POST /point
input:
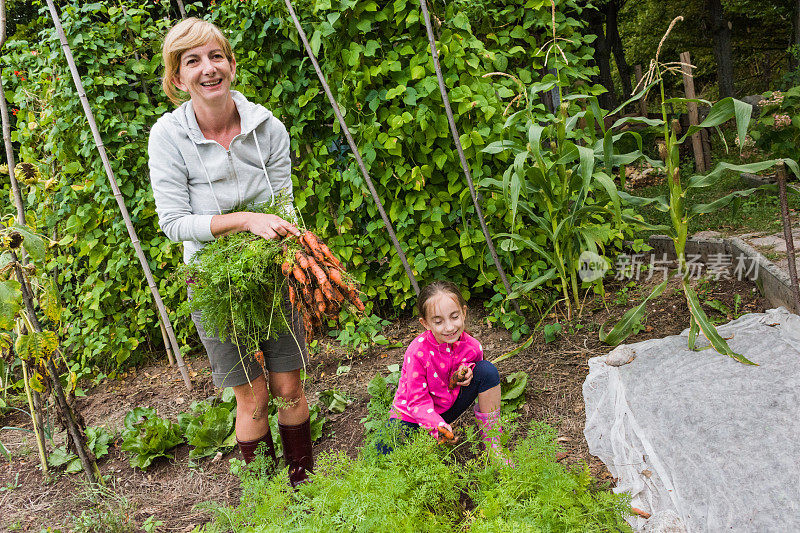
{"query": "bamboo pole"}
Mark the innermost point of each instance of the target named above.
(353, 147)
(117, 194)
(181, 9)
(461, 156)
(7, 127)
(688, 87)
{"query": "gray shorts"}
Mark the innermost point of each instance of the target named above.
(231, 367)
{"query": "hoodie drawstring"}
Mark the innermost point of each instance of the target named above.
(264, 168)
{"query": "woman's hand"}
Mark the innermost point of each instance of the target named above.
(270, 226)
(261, 224)
(466, 371)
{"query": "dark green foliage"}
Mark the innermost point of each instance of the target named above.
(377, 60)
(425, 487)
(237, 282)
(147, 436)
(208, 427)
(97, 438)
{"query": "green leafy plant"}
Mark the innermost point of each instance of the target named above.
(680, 192)
(361, 333)
(381, 391)
(560, 205)
(97, 438)
(512, 391)
(109, 512)
(552, 331)
(147, 436)
(237, 282)
(334, 400)
(776, 131)
(422, 486)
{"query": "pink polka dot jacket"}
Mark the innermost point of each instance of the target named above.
(422, 392)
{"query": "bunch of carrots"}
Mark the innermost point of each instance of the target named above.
(318, 285)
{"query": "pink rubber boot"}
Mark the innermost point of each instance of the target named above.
(489, 424)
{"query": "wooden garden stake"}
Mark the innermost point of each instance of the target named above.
(353, 147)
(464, 165)
(787, 234)
(117, 194)
(688, 86)
(637, 73)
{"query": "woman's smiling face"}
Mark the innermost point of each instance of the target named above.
(444, 317)
(205, 73)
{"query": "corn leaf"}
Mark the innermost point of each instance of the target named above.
(624, 327)
(708, 329)
(659, 202)
(701, 209)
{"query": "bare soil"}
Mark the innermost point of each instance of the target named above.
(170, 489)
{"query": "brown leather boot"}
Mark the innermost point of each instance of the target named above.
(248, 448)
(297, 451)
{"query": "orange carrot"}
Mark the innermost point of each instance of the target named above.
(335, 275)
(319, 301)
(317, 271)
(643, 514)
(328, 254)
(302, 259)
(286, 268)
(445, 435)
(292, 295)
(297, 272)
(312, 245)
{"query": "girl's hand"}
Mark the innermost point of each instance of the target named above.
(444, 433)
(465, 371)
(270, 226)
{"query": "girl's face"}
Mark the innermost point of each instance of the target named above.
(205, 73)
(445, 318)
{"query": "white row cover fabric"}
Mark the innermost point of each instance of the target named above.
(697, 435)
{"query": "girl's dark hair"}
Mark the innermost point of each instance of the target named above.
(429, 291)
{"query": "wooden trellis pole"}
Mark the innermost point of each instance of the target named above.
(353, 148)
(117, 194)
(701, 165)
(464, 165)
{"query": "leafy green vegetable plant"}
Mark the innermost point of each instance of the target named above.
(512, 391)
(425, 487)
(147, 436)
(97, 438)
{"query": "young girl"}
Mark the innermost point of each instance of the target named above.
(444, 371)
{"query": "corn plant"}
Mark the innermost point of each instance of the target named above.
(560, 185)
(680, 192)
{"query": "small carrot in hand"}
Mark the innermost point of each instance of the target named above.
(457, 377)
(445, 435)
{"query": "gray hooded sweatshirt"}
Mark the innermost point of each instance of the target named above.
(194, 178)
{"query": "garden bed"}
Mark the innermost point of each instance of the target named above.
(169, 489)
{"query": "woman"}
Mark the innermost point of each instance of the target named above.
(214, 152)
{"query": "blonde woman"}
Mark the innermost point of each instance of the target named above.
(216, 151)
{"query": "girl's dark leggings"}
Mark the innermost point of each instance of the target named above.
(484, 377)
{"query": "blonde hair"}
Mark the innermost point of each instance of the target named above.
(185, 35)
